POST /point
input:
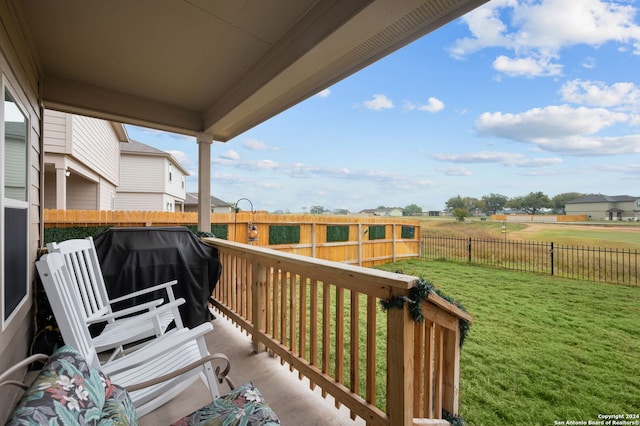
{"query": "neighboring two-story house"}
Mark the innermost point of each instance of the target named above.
(150, 179)
(605, 207)
(81, 161)
(91, 164)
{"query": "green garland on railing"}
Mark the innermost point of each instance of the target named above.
(417, 295)
(454, 420)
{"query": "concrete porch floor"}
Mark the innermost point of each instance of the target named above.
(291, 399)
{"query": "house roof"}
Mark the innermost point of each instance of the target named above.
(138, 148)
(192, 199)
(600, 198)
(214, 67)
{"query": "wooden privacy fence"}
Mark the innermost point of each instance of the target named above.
(540, 218)
(358, 240)
(324, 320)
(609, 265)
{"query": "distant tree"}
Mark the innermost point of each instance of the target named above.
(531, 203)
(454, 203)
(494, 202)
(341, 211)
(316, 210)
(412, 210)
(381, 207)
(468, 203)
(559, 201)
(460, 214)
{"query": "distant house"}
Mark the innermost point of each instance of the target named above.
(150, 179)
(385, 211)
(217, 205)
(606, 207)
(81, 161)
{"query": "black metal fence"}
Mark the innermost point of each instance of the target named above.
(609, 265)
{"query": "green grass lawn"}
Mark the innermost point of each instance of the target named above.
(541, 349)
(595, 237)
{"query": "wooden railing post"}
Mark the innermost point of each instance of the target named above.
(400, 374)
(451, 370)
(259, 303)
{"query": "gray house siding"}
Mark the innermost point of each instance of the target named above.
(20, 77)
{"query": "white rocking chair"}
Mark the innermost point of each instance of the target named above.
(169, 363)
(125, 326)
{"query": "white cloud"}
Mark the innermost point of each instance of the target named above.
(593, 146)
(526, 67)
(509, 159)
(625, 95)
(323, 93)
(551, 122)
(562, 129)
(230, 155)
(308, 171)
(256, 145)
(629, 169)
(537, 31)
(433, 105)
(378, 103)
(455, 171)
(588, 63)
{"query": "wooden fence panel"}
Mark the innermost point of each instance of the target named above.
(357, 249)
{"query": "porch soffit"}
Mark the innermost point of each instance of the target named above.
(213, 66)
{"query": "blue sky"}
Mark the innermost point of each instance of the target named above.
(514, 97)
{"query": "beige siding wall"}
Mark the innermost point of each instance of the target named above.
(81, 194)
(140, 201)
(107, 195)
(20, 74)
(57, 132)
(175, 187)
(142, 174)
(96, 145)
(597, 211)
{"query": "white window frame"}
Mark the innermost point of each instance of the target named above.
(12, 203)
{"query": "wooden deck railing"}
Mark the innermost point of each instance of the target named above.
(324, 319)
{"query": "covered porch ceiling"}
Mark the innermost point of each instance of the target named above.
(214, 67)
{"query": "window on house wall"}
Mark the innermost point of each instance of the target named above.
(170, 172)
(14, 211)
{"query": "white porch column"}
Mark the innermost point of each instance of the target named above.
(61, 188)
(204, 182)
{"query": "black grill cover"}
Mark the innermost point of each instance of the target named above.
(136, 258)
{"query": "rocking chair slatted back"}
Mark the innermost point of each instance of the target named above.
(63, 299)
(150, 319)
(178, 359)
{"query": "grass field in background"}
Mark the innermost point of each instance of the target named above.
(541, 349)
(615, 235)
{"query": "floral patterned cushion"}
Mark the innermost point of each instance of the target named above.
(69, 392)
(243, 406)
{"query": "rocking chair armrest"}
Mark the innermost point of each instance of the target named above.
(220, 375)
(128, 296)
(157, 347)
(152, 309)
(18, 366)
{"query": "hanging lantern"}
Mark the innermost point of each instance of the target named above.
(252, 232)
